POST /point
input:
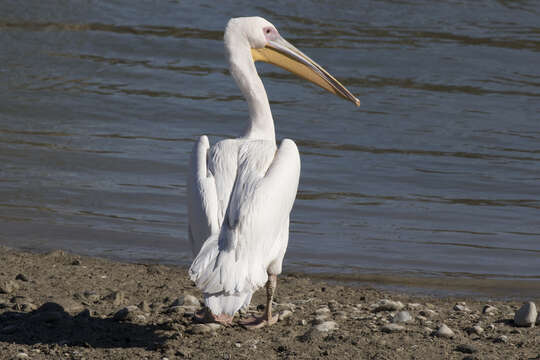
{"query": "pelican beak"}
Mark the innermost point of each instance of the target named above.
(281, 53)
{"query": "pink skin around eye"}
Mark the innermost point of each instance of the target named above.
(270, 33)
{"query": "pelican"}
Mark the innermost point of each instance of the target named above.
(241, 191)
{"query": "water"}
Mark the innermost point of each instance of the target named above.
(436, 175)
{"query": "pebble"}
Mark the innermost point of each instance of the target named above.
(340, 315)
(91, 296)
(7, 287)
(526, 315)
(413, 305)
(476, 329)
(186, 300)
(284, 314)
(21, 277)
(126, 313)
(501, 339)
(466, 348)
(320, 319)
(491, 327)
(204, 328)
(428, 313)
(326, 326)
(321, 311)
(428, 330)
(22, 355)
(302, 322)
(444, 331)
(388, 305)
(389, 328)
(144, 306)
(402, 317)
(488, 309)
(117, 297)
(461, 307)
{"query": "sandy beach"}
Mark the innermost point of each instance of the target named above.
(64, 306)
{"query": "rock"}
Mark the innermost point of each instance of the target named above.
(526, 315)
(127, 313)
(389, 328)
(488, 310)
(501, 339)
(402, 317)
(204, 328)
(76, 262)
(21, 277)
(388, 305)
(22, 355)
(92, 296)
(322, 311)
(326, 326)
(491, 327)
(427, 330)
(444, 331)
(466, 348)
(117, 297)
(320, 319)
(28, 307)
(476, 329)
(284, 314)
(186, 300)
(9, 286)
(428, 313)
(413, 305)
(302, 322)
(340, 315)
(144, 306)
(461, 307)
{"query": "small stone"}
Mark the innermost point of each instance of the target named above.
(466, 348)
(526, 315)
(21, 277)
(186, 300)
(22, 355)
(144, 306)
(214, 326)
(320, 319)
(321, 311)
(76, 262)
(7, 287)
(402, 317)
(302, 322)
(413, 305)
(92, 296)
(389, 328)
(28, 307)
(476, 329)
(501, 339)
(127, 313)
(491, 327)
(461, 307)
(284, 314)
(326, 326)
(203, 328)
(238, 345)
(388, 305)
(427, 330)
(340, 315)
(428, 313)
(444, 331)
(117, 297)
(488, 310)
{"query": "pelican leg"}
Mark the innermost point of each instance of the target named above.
(267, 318)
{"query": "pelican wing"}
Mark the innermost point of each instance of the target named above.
(202, 197)
(252, 234)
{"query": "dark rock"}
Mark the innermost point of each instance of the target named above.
(21, 277)
(466, 348)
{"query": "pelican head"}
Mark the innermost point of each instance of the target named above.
(266, 44)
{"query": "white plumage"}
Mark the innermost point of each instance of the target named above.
(241, 191)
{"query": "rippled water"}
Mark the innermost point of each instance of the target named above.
(436, 174)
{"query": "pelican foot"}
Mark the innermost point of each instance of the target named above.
(205, 316)
(253, 322)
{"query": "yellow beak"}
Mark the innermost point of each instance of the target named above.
(281, 53)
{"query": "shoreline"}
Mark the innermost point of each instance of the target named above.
(63, 305)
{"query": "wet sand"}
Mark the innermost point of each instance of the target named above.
(60, 305)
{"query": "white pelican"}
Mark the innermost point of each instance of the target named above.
(241, 191)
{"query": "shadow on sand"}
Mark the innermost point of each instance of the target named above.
(51, 324)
